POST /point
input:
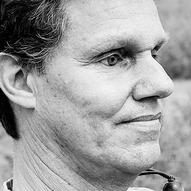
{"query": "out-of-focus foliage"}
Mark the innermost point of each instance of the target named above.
(176, 55)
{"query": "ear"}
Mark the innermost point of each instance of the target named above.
(15, 82)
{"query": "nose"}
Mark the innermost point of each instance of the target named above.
(153, 81)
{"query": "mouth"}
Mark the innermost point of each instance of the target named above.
(145, 118)
(146, 127)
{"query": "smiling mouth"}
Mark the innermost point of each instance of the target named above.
(144, 118)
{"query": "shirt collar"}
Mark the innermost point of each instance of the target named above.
(8, 185)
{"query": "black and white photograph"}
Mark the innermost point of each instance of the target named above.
(95, 95)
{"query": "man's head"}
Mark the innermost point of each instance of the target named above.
(99, 97)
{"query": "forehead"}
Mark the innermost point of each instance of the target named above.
(94, 8)
(105, 21)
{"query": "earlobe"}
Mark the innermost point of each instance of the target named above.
(13, 82)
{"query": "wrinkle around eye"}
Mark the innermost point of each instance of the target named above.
(123, 59)
(114, 57)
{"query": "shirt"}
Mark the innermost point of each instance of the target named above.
(7, 186)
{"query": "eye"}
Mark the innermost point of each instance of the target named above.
(112, 60)
(155, 54)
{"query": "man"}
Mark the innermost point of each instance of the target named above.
(82, 81)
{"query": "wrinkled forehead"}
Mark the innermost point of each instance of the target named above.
(84, 14)
(98, 21)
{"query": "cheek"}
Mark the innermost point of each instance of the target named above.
(79, 97)
(101, 99)
(95, 93)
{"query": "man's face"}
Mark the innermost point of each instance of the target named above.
(100, 96)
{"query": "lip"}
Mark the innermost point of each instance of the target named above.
(143, 118)
(146, 127)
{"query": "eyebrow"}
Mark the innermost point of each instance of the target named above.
(114, 42)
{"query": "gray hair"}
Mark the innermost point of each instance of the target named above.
(29, 30)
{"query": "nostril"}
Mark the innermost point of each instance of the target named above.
(150, 99)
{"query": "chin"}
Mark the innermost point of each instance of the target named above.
(138, 158)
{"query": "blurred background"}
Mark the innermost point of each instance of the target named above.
(176, 136)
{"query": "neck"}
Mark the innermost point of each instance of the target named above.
(34, 171)
(39, 165)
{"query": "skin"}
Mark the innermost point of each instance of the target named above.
(98, 96)
(84, 108)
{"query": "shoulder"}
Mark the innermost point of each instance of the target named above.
(139, 189)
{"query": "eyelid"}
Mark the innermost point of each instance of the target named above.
(105, 55)
(154, 50)
(159, 46)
